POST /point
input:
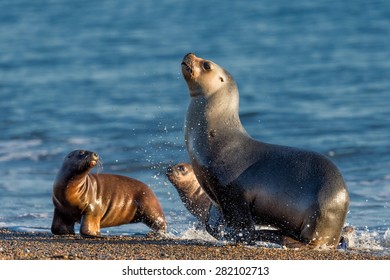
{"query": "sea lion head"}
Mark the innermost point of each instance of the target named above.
(181, 175)
(204, 77)
(80, 161)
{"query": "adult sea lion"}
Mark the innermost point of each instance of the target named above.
(199, 204)
(100, 200)
(300, 192)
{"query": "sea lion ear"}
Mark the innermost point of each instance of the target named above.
(221, 78)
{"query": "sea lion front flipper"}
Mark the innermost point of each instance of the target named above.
(61, 224)
(237, 218)
(90, 225)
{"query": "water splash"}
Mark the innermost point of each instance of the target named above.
(367, 240)
(386, 238)
(194, 232)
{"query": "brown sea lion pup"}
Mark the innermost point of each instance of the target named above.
(194, 198)
(100, 200)
(190, 192)
(300, 192)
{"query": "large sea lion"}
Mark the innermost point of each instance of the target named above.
(100, 200)
(300, 192)
(199, 204)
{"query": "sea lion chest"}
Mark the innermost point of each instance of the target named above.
(218, 147)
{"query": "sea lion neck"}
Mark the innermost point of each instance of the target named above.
(67, 177)
(71, 190)
(213, 111)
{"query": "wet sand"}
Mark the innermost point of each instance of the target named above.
(45, 246)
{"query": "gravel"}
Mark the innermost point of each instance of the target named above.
(45, 246)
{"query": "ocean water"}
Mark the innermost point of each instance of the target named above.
(105, 76)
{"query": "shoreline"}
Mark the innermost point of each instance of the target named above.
(45, 246)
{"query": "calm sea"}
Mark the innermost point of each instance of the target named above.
(105, 76)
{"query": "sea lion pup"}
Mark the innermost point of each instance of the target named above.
(190, 192)
(300, 192)
(197, 202)
(100, 200)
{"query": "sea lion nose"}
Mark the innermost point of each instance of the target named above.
(169, 170)
(189, 55)
(95, 155)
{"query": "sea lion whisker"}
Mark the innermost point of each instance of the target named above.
(99, 168)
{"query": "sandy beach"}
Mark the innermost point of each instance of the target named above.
(45, 246)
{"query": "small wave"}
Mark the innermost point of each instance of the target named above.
(78, 141)
(28, 229)
(16, 144)
(17, 149)
(341, 152)
(26, 216)
(24, 149)
(33, 216)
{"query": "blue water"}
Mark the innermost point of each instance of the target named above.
(105, 76)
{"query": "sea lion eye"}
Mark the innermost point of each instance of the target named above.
(221, 79)
(181, 168)
(207, 66)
